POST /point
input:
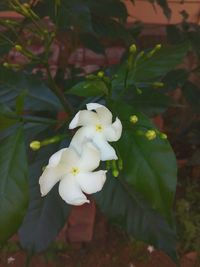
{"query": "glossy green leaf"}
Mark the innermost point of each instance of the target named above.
(149, 165)
(7, 117)
(89, 88)
(126, 208)
(13, 184)
(45, 216)
(164, 60)
(38, 95)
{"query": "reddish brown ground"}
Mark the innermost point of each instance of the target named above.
(109, 248)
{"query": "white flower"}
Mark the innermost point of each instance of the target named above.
(97, 127)
(75, 174)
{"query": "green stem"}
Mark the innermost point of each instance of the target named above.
(56, 90)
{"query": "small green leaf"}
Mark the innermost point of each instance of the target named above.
(13, 184)
(89, 88)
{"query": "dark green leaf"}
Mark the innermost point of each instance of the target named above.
(164, 60)
(89, 88)
(149, 165)
(38, 95)
(91, 42)
(45, 216)
(7, 117)
(13, 184)
(125, 207)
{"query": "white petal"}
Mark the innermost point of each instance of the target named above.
(70, 191)
(49, 178)
(82, 135)
(69, 158)
(56, 157)
(106, 150)
(84, 118)
(90, 157)
(104, 114)
(91, 182)
(114, 131)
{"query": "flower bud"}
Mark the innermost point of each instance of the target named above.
(35, 145)
(133, 119)
(163, 136)
(100, 74)
(150, 134)
(158, 84)
(18, 48)
(132, 49)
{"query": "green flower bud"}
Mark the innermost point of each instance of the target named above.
(19, 48)
(100, 74)
(132, 49)
(133, 119)
(163, 136)
(35, 145)
(150, 134)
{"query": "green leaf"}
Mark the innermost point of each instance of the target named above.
(126, 208)
(149, 165)
(67, 14)
(164, 60)
(89, 88)
(150, 101)
(13, 184)
(6, 115)
(45, 216)
(38, 95)
(90, 41)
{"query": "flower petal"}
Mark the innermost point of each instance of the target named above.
(106, 150)
(114, 131)
(90, 157)
(69, 158)
(49, 178)
(70, 191)
(56, 157)
(84, 118)
(104, 114)
(91, 182)
(82, 135)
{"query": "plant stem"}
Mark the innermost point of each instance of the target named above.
(56, 90)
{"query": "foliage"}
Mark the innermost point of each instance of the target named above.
(188, 218)
(141, 198)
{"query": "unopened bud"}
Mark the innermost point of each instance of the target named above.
(150, 134)
(133, 119)
(100, 74)
(6, 65)
(154, 50)
(132, 49)
(18, 48)
(35, 145)
(26, 5)
(158, 84)
(115, 171)
(163, 136)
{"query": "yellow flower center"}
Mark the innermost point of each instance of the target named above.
(74, 171)
(99, 128)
